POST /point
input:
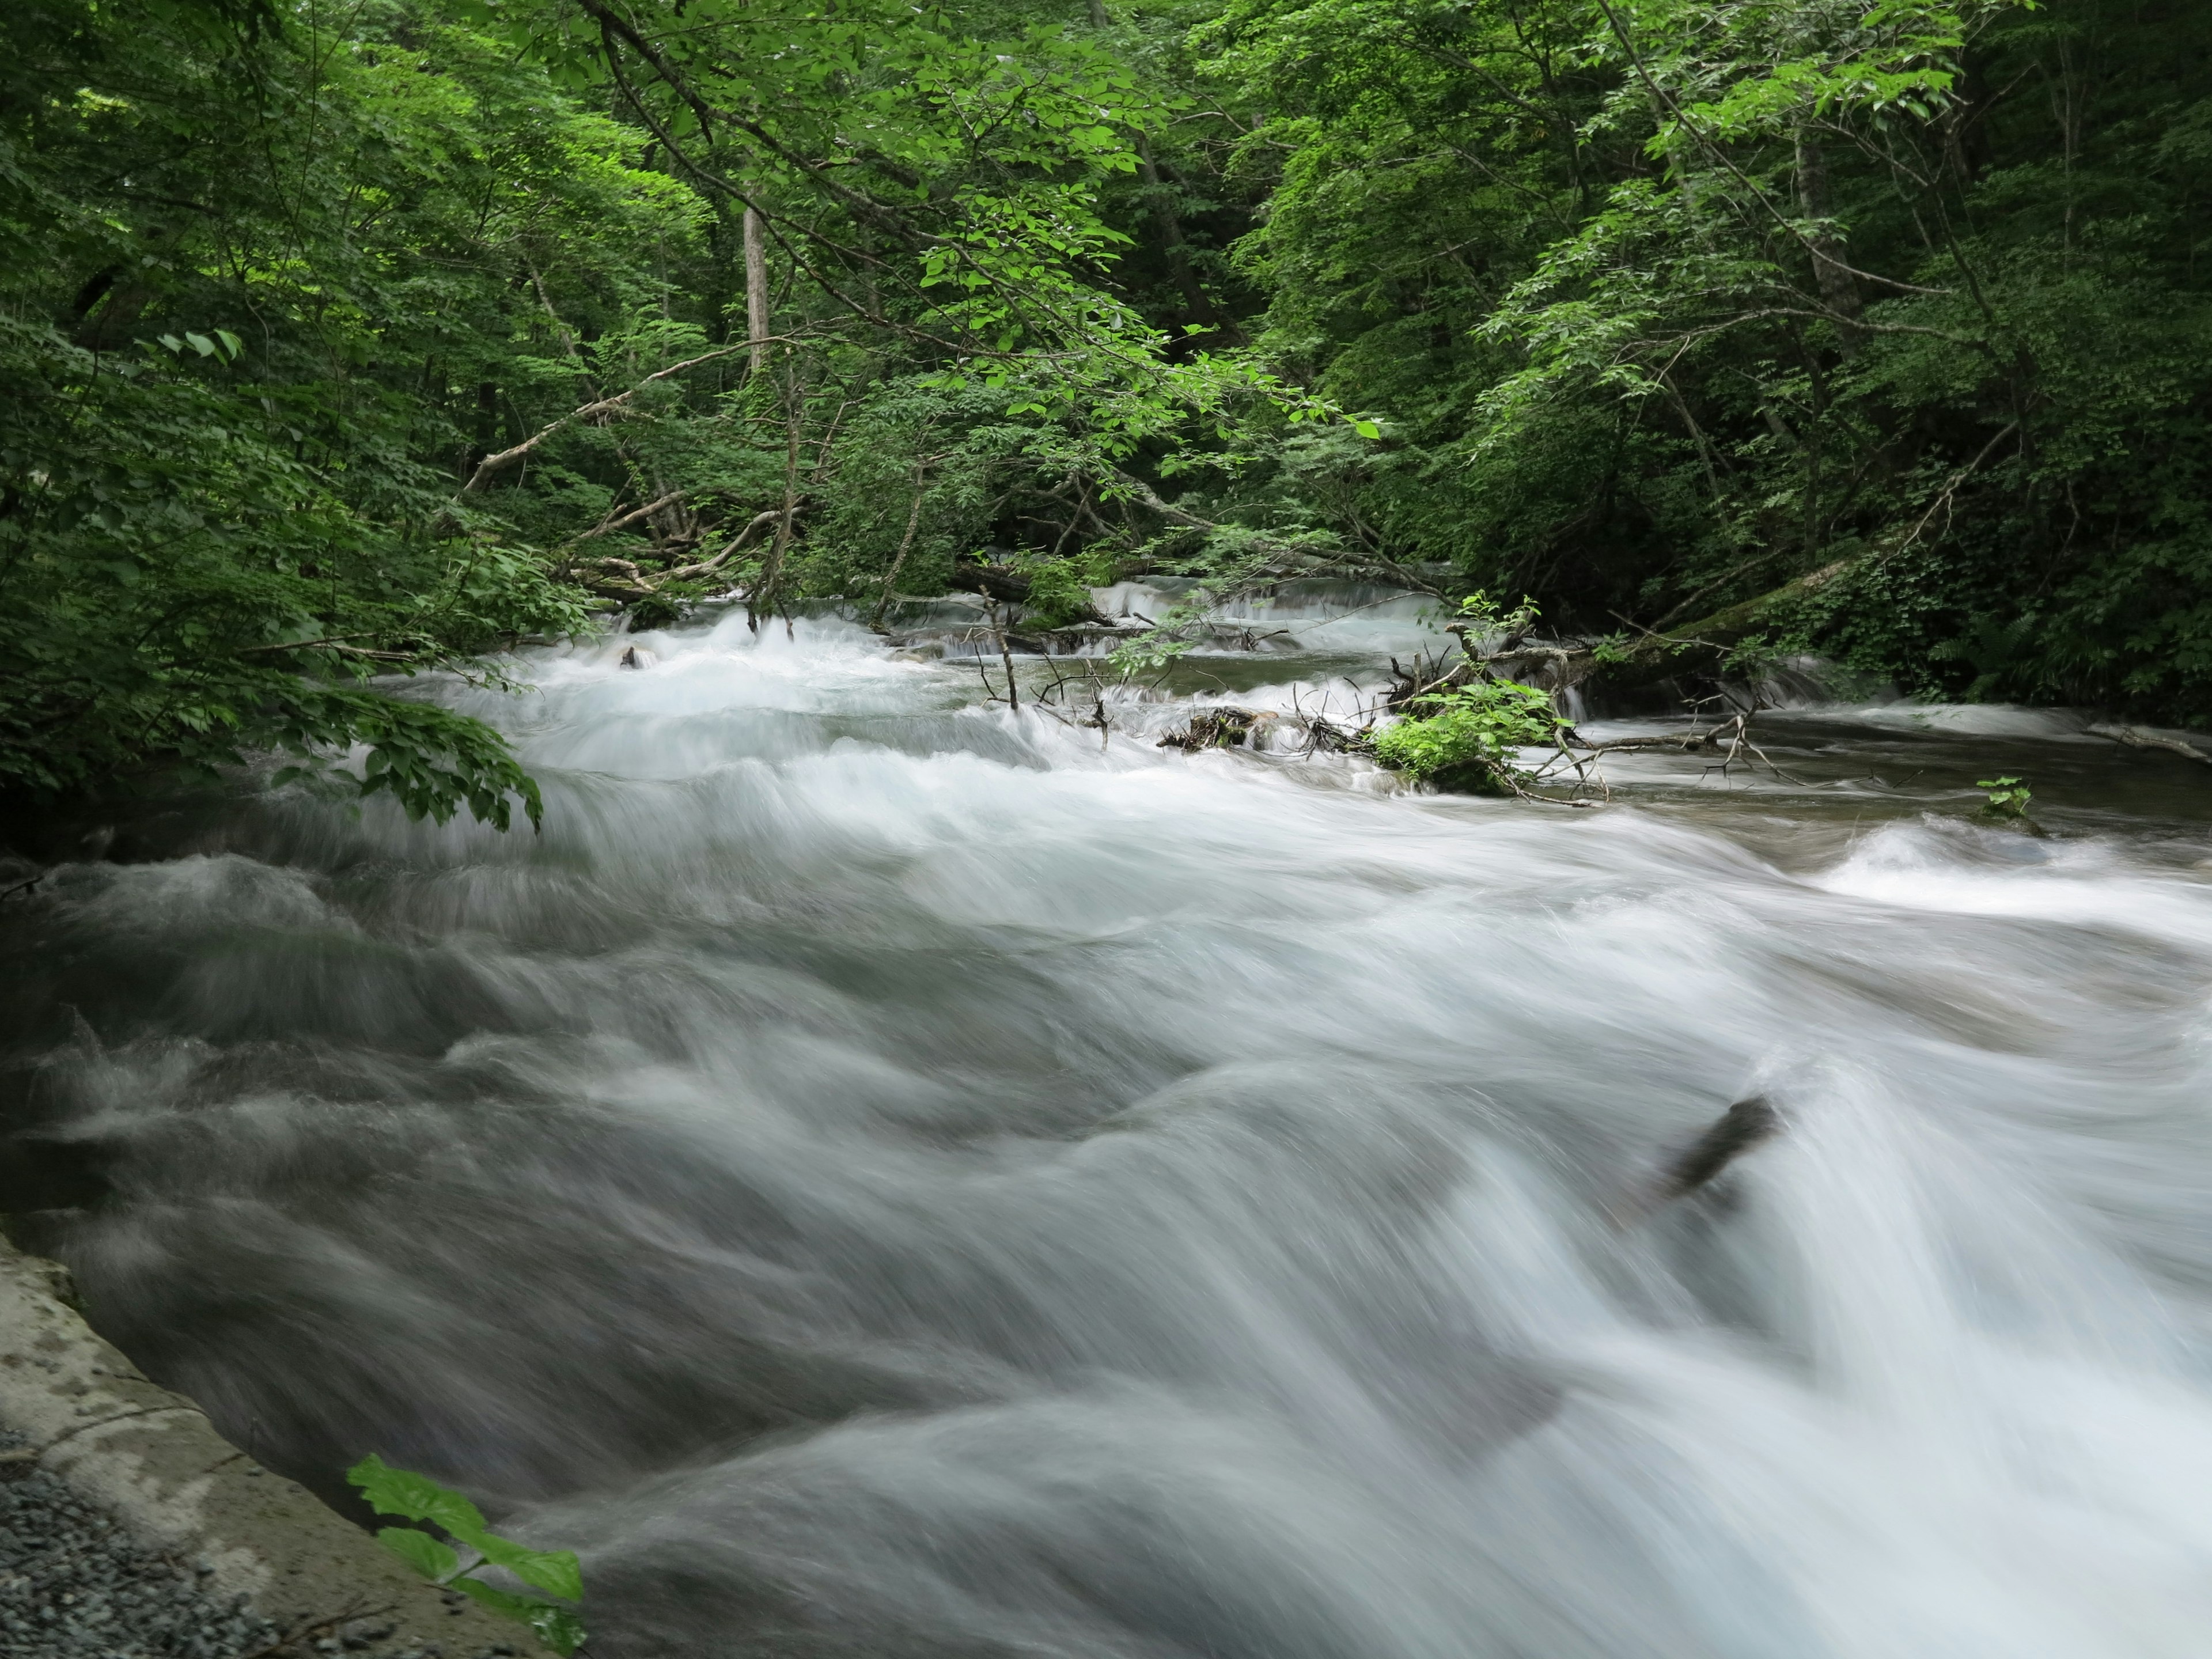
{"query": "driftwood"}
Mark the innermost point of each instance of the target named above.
(608, 576)
(1230, 727)
(1214, 728)
(2134, 737)
(1548, 667)
(1510, 659)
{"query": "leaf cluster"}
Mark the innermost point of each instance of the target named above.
(1471, 735)
(413, 1496)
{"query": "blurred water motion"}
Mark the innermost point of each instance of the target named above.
(887, 1175)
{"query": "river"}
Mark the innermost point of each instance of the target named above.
(886, 1174)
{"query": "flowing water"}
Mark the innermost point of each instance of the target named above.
(886, 1174)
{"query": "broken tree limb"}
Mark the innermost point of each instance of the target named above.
(1703, 646)
(992, 581)
(1747, 1123)
(1214, 728)
(612, 578)
(608, 527)
(759, 521)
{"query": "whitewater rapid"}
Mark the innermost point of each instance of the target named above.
(886, 1174)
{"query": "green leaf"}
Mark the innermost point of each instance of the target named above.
(200, 342)
(415, 1497)
(558, 1628)
(1367, 429)
(555, 1571)
(505, 1603)
(420, 1551)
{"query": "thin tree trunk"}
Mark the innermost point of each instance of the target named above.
(906, 542)
(764, 590)
(1013, 691)
(757, 288)
(1839, 290)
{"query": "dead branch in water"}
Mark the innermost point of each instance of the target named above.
(1214, 728)
(1730, 738)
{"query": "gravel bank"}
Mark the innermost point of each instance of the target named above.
(74, 1585)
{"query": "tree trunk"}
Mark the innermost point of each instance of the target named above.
(1197, 307)
(764, 593)
(757, 288)
(1839, 290)
(906, 542)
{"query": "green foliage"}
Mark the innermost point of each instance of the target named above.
(351, 343)
(243, 272)
(418, 1498)
(1149, 653)
(354, 342)
(2008, 797)
(1669, 301)
(1060, 591)
(1481, 614)
(1471, 734)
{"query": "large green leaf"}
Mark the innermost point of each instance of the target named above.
(419, 1551)
(555, 1571)
(416, 1497)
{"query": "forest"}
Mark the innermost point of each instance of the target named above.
(348, 341)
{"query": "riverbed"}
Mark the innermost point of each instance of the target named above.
(886, 1173)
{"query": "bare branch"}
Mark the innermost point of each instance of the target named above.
(506, 458)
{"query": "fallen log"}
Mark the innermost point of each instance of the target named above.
(2136, 737)
(1007, 587)
(992, 582)
(1701, 648)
